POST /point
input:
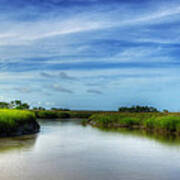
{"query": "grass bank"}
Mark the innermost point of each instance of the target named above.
(17, 122)
(50, 114)
(156, 122)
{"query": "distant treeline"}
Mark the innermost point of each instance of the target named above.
(60, 109)
(137, 109)
(17, 104)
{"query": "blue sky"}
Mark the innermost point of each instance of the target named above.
(91, 54)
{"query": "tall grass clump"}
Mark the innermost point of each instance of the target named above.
(168, 123)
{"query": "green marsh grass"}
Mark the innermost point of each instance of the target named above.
(12, 118)
(162, 122)
(52, 114)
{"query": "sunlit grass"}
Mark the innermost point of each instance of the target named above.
(11, 118)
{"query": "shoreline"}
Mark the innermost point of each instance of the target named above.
(157, 123)
(21, 130)
(139, 128)
(17, 123)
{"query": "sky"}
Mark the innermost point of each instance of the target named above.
(90, 54)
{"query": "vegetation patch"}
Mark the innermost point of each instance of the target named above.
(17, 122)
(59, 114)
(158, 122)
(138, 109)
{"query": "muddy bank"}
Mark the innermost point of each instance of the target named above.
(30, 127)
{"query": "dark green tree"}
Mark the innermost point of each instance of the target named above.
(17, 104)
(4, 105)
(138, 109)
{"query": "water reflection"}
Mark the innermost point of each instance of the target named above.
(170, 140)
(66, 150)
(18, 143)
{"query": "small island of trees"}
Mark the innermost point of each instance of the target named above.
(137, 109)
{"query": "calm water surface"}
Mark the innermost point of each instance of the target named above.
(69, 151)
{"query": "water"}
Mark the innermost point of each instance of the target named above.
(69, 151)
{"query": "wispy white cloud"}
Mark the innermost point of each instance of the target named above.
(94, 91)
(60, 88)
(120, 48)
(96, 19)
